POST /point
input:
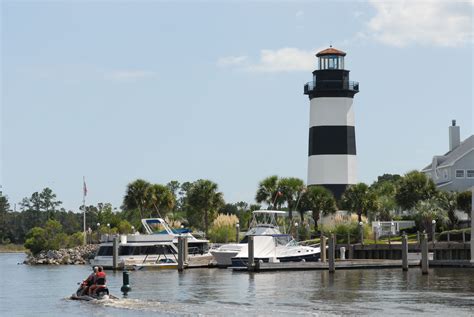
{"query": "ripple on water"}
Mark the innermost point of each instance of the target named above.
(220, 292)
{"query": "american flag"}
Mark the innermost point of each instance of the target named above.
(85, 187)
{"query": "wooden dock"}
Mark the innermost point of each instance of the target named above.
(339, 265)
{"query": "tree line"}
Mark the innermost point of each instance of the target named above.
(196, 205)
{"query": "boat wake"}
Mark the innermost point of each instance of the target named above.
(188, 308)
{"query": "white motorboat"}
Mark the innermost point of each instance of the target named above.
(136, 253)
(155, 249)
(277, 248)
(263, 224)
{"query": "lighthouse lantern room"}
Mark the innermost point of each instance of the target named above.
(332, 145)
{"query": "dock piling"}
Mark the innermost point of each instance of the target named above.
(251, 259)
(186, 250)
(351, 252)
(332, 253)
(424, 254)
(404, 252)
(115, 252)
(181, 253)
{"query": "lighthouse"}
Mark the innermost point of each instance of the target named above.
(332, 143)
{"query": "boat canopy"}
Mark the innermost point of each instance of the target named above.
(265, 219)
(159, 226)
(275, 212)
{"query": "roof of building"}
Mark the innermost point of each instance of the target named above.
(452, 156)
(331, 51)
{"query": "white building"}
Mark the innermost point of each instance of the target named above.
(454, 171)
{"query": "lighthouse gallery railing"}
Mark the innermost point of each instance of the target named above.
(331, 85)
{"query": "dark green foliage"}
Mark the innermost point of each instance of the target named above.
(359, 199)
(448, 202)
(51, 237)
(4, 209)
(203, 200)
(135, 196)
(124, 227)
(151, 200)
(267, 192)
(35, 240)
(414, 187)
(319, 200)
(347, 231)
(464, 202)
(291, 189)
(391, 178)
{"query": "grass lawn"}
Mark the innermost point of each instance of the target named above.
(9, 248)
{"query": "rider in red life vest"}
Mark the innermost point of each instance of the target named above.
(99, 280)
(89, 281)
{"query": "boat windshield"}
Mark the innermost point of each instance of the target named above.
(157, 227)
(283, 239)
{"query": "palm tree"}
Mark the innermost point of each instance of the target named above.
(159, 197)
(429, 210)
(268, 192)
(291, 189)
(448, 202)
(359, 199)
(203, 201)
(136, 196)
(320, 201)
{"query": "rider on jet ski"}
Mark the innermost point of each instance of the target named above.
(99, 281)
(89, 281)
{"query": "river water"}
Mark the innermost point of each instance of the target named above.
(43, 291)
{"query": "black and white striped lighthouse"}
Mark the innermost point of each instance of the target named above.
(332, 144)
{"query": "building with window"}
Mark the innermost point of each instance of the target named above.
(454, 171)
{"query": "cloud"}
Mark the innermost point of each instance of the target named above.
(231, 61)
(428, 22)
(285, 59)
(128, 75)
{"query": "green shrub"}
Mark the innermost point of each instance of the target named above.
(342, 230)
(76, 239)
(223, 229)
(124, 227)
(51, 237)
(35, 240)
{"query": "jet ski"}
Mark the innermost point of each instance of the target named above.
(101, 293)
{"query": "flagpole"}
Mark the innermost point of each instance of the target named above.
(84, 191)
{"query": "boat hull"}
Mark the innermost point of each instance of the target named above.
(313, 257)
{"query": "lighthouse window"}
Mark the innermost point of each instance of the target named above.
(331, 63)
(341, 62)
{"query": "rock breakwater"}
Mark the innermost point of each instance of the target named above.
(77, 255)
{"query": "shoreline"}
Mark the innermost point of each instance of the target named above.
(71, 256)
(12, 248)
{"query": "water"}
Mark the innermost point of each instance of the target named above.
(43, 291)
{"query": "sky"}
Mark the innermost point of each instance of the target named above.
(115, 91)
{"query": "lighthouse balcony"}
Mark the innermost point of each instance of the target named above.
(331, 85)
